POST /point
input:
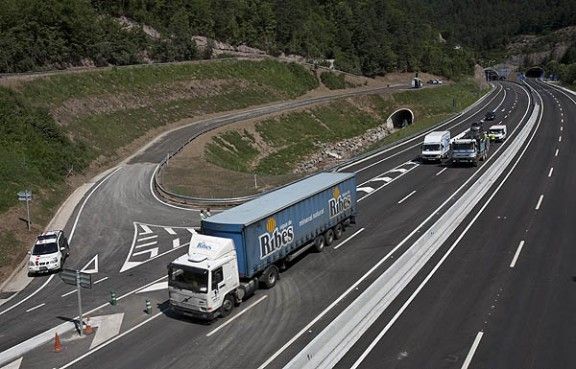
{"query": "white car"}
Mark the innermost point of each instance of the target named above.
(49, 252)
(497, 133)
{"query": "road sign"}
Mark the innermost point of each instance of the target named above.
(25, 195)
(69, 277)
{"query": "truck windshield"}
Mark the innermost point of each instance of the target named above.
(496, 131)
(189, 278)
(463, 146)
(45, 248)
(431, 147)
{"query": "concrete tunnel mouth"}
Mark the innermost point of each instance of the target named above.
(400, 118)
(535, 72)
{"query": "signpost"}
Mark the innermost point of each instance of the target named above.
(26, 196)
(80, 280)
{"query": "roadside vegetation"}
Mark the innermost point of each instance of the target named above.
(334, 81)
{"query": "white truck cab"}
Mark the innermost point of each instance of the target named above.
(204, 283)
(436, 146)
(497, 132)
(48, 253)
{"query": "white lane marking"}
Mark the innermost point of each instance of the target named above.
(153, 252)
(387, 256)
(557, 150)
(383, 179)
(146, 229)
(398, 170)
(348, 239)
(506, 116)
(387, 183)
(550, 173)
(101, 280)
(176, 243)
(29, 296)
(539, 202)
(503, 109)
(561, 128)
(68, 293)
(231, 319)
(35, 307)
(92, 270)
(155, 287)
(365, 189)
(109, 327)
(148, 238)
(191, 230)
(442, 171)
(112, 340)
(145, 244)
(518, 250)
(14, 365)
(562, 120)
(559, 138)
(406, 197)
(169, 230)
(472, 350)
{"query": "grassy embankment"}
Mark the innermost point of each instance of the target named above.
(291, 137)
(53, 128)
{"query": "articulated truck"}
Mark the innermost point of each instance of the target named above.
(245, 247)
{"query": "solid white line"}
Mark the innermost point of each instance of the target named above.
(348, 239)
(442, 171)
(550, 173)
(68, 293)
(112, 340)
(406, 197)
(472, 350)
(146, 244)
(560, 139)
(231, 319)
(153, 252)
(513, 263)
(101, 280)
(385, 258)
(556, 154)
(35, 307)
(539, 202)
(147, 238)
(29, 296)
(170, 230)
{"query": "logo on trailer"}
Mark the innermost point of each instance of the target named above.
(339, 202)
(275, 237)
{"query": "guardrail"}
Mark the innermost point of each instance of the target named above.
(191, 201)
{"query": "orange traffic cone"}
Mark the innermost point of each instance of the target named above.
(88, 329)
(57, 344)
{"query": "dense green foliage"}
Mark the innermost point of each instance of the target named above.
(333, 81)
(36, 153)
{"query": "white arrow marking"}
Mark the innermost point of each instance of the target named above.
(92, 270)
(155, 287)
(384, 179)
(398, 170)
(175, 243)
(365, 189)
(146, 229)
(13, 365)
(108, 327)
(153, 252)
(170, 230)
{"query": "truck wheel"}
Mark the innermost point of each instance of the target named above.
(338, 231)
(329, 237)
(227, 306)
(475, 163)
(270, 276)
(319, 244)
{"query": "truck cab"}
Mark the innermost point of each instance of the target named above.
(203, 283)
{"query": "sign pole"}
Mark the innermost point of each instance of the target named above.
(78, 288)
(28, 210)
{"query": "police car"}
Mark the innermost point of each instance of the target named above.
(49, 252)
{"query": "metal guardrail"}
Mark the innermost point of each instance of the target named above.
(190, 201)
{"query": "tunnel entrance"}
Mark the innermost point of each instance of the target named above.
(491, 74)
(400, 119)
(535, 72)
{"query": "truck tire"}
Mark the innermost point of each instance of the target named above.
(227, 306)
(329, 237)
(475, 163)
(319, 244)
(338, 231)
(270, 276)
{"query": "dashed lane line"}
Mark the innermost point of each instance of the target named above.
(406, 197)
(539, 202)
(518, 251)
(550, 172)
(472, 351)
(557, 151)
(35, 307)
(231, 319)
(68, 293)
(348, 239)
(442, 171)
(101, 280)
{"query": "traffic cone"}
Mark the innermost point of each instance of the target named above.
(88, 329)
(57, 344)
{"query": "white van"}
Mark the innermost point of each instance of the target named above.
(49, 252)
(497, 133)
(436, 146)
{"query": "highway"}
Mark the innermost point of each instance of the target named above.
(490, 303)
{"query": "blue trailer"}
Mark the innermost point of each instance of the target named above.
(266, 233)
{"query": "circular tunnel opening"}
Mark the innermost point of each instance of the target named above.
(491, 74)
(400, 118)
(535, 72)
